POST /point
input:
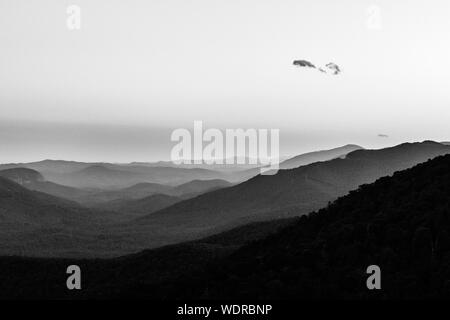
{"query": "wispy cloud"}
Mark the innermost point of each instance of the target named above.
(331, 67)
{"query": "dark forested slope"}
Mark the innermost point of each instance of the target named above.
(400, 223)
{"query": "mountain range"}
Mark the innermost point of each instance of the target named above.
(101, 175)
(293, 192)
(112, 176)
(156, 221)
(23, 209)
(317, 156)
(399, 223)
(145, 198)
(34, 180)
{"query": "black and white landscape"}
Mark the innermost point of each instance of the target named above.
(96, 95)
(273, 236)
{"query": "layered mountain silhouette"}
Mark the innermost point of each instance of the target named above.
(324, 155)
(227, 165)
(289, 193)
(297, 161)
(34, 180)
(295, 191)
(156, 201)
(400, 223)
(142, 190)
(135, 192)
(50, 166)
(107, 176)
(113, 176)
(36, 223)
(101, 176)
(22, 209)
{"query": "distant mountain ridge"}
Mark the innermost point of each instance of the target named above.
(289, 193)
(294, 191)
(121, 175)
(316, 156)
(33, 180)
(299, 160)
(113, 176)
(399, 223)
(154, 201)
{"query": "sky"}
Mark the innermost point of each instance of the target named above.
(115, 89)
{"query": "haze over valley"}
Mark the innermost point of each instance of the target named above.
(211, 149)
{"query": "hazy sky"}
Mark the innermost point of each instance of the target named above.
(137, 70)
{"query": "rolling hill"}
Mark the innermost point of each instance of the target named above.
(113, 176)
(33, 180)
(400, 223)
(146, 198)
(50, 166)
(36, 223)
(21, 208)
(292, 192)
(22, 176)
(120, 199)
(113, 198)
(289, 193)
(135, 192)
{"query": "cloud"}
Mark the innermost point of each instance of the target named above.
(303, 63)
(333, 67)
(381, 135)
(330, 68)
